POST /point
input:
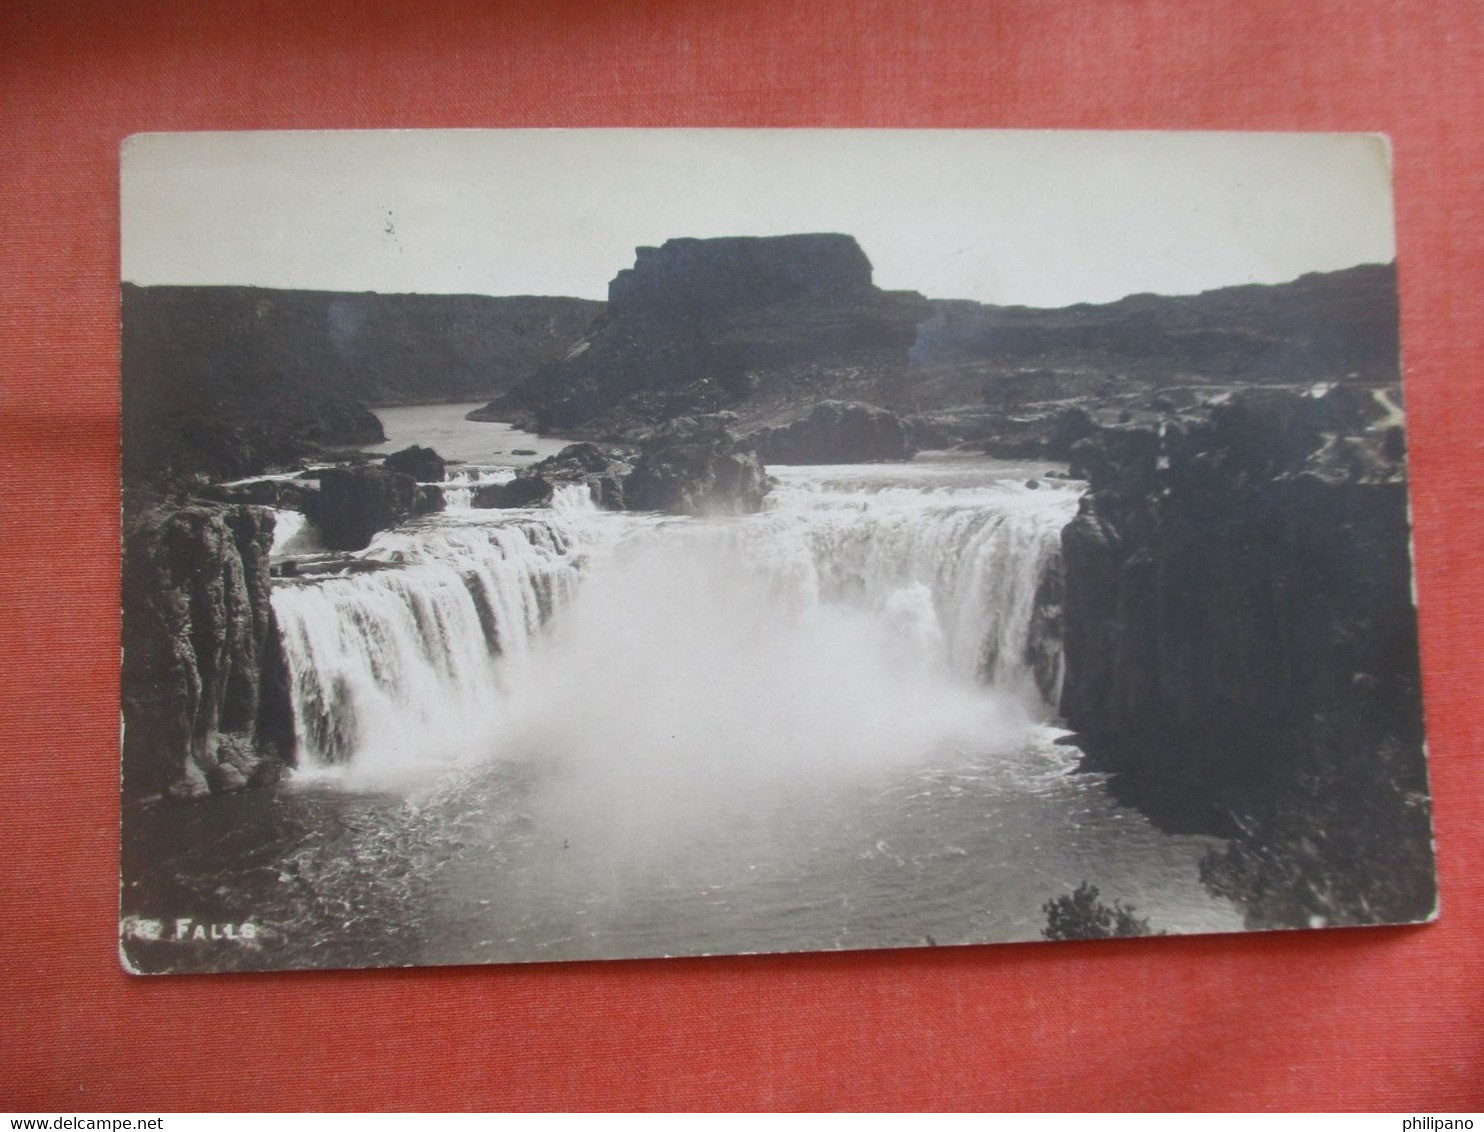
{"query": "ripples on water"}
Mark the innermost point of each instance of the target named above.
(568, 734)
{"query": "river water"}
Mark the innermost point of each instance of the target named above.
(566, 733)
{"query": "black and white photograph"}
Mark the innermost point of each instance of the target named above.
(593, 544)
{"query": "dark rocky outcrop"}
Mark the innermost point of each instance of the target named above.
(422, 464)
(233, 381)
(602, 470)
(205, 687)
(746, 323)
(690, 466)
(285, 494)
(837, 432)
(354, 503)
(523, 491)
(696, 466)
(1239, 622)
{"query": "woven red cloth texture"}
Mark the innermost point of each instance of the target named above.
(1362, 1019)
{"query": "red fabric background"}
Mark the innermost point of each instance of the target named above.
(1383, 1018)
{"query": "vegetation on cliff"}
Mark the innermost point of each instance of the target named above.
(1081, 914)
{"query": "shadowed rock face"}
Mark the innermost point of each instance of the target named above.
(524, 491)
(422, 464)
(1239, 620)
(696, 466)
(1239, 572)
(205, 686)
(231, 381)
(750, 324)
(354, 503)
(1324, 325)
(999, 376)
(837, 432)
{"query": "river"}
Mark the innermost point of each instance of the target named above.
(567, 733)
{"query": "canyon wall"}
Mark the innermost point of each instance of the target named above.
(1239, 625)
(205, 686)
(227, 381)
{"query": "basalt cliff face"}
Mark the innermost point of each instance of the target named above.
(228, 381)
(1239, 625)
(770, 327)
(1004, 379)
(1321, 327)
(205, 686)
(747, 324)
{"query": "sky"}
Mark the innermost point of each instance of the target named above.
(1041, 218)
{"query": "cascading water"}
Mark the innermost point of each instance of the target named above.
(396, 659)
(903, 586)
(566, 733)
(942, 539)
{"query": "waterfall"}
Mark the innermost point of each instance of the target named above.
(969, 558)
(461, 484)
(396, 658)
(874, 588)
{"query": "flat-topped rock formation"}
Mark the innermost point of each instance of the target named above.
(748, 324)
(738, 271)
(767, 327)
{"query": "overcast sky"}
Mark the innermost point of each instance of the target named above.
(1041, 218)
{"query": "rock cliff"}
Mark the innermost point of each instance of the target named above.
(1323, 325)
(751, 324)
(769, 327)
(1239, 623)
(999, 376)
(231, 380)
(205, 686)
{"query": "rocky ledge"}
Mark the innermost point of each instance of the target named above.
(423, 464)
(601, 469)
(205, 686)
(697, 466)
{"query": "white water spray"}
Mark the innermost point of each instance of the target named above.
(868, 617)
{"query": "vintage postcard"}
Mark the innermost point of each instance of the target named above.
(591, 544)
